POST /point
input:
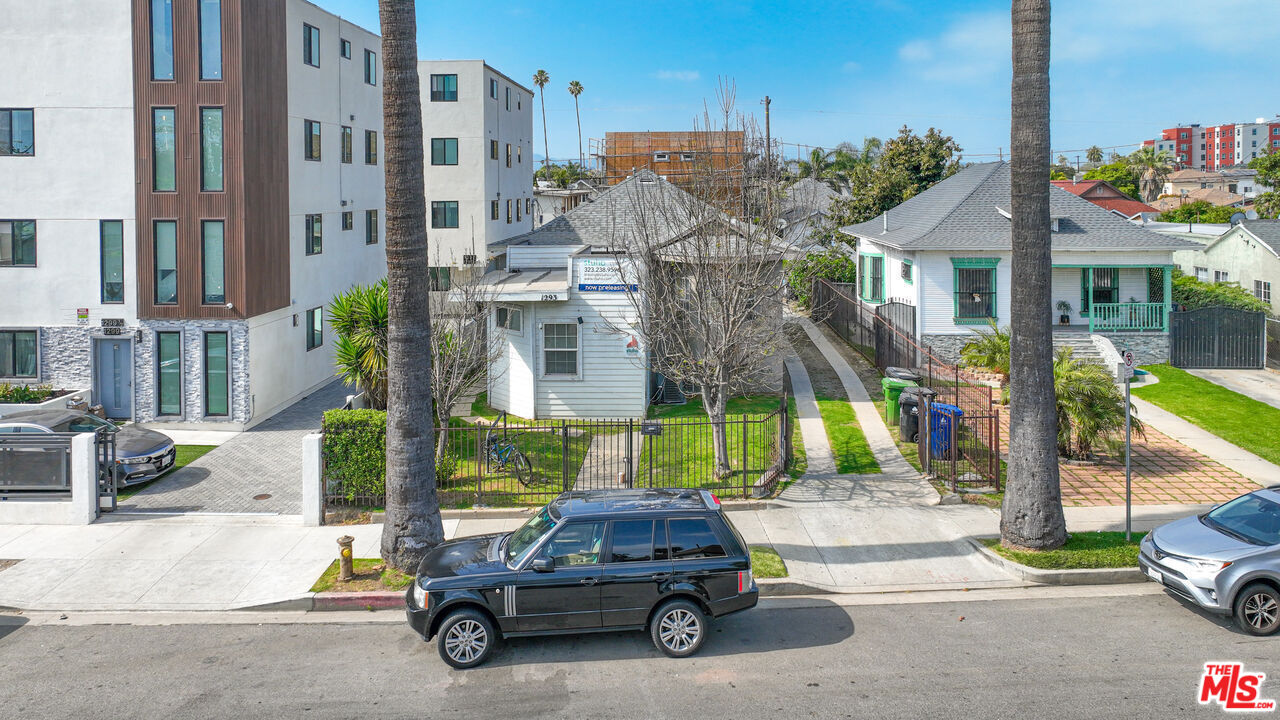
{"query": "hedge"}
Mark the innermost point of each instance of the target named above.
(1194, 294)
(830, 264)
(355, 452)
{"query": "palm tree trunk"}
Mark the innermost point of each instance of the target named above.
(1031, 516)
(581, 165)
(546, 151)
(412, 523)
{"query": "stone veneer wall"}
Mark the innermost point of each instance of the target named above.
(66, 356)
(1148, 348)
(192, 370)
(945, 347)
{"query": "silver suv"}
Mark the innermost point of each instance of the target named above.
(1226, 561)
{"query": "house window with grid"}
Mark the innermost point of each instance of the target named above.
(871, 277)
(315, 234)
(560, 349)
(975, 289)
(444, 213)
(508, 318)
(444, 88)
(1221, 276)
(1262, 290)
(348, 220)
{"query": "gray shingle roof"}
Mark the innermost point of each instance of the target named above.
(805, 198)
(1267, 231)
(612, 217)
(963, 212)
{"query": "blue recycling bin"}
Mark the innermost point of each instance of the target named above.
(940, 415)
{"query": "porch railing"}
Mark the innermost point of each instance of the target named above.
(1128, 317)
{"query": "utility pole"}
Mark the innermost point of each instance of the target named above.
(768, 141)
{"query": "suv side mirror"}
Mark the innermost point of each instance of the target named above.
(542, 565)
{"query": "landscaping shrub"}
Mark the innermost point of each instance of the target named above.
(1090, 407)
(25, 393)
(355, 452)
(446, 467)
(830, 264)
(990, 349)
(1194, 294)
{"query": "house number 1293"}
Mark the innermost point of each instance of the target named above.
(546, 298)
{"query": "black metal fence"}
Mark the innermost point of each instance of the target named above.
(518, 462)
(1273, 344)
(1218, 338)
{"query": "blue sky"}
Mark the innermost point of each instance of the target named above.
(1121, 70)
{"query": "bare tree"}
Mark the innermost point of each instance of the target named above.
(1031, 515)
(463, 351)
(413, 524)
(702, 267)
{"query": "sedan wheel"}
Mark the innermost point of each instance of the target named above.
(466, 639)
(678, 628)
(1258, 610)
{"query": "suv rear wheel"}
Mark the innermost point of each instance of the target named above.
(1258, 609)
(678, 628)
(466, 638)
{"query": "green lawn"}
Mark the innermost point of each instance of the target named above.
(186, 454)
(799, 459)
(1083, 550)
(684, 455)
(749, 405)
(501, 488)
(766, 563)
(848, 444)
(1240, 420)
(370, 574)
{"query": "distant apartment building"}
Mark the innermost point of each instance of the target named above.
(1219, 146)
(187, 183)
(477, 128)
(679, 157)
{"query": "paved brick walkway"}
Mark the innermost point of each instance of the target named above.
(266, 460)
(1164, 472)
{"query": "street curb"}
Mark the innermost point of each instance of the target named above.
(1098, 576)
(782, 587)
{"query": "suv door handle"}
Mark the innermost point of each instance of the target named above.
(660, 576)
(588, 581)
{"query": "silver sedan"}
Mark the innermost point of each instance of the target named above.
(1226, 561)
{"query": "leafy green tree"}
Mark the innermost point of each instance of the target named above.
(1119, 174)
(1268, 167)
(1200, 211)
(1093, 154)
(1193, 294)
(561, 176)
(830, 264)
(1267, 205)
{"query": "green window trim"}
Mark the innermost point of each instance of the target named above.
(866, 266)
(979, 263)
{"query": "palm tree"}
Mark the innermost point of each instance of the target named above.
(1090, 406)
(412, 525)
(359, 319)
(541, 78)
(1093, 154)
(1031, 515)
(575, 89)
(1152, 168)
(820, 166)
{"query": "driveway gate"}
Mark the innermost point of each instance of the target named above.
(1217, 338)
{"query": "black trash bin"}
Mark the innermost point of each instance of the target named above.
(909, 411)
(901, 373)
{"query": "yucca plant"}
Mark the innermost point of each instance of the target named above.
(359, 319)
(990, 349)
(1090, 407)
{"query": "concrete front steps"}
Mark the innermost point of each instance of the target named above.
(1080, 342)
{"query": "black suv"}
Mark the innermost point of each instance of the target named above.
(604, 560)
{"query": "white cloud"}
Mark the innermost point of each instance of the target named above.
(678, 75)
(916, 51)
(973, 48)
(851, 67)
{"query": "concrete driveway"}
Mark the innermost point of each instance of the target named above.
(1261, 385)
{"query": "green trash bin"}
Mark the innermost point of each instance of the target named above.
(892, 391)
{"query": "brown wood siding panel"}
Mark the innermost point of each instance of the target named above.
(189, 206)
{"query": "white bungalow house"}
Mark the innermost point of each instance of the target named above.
(1247, 253)
(947, 252)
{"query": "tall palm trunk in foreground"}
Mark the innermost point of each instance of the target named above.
(413, 523)
(1032, 513)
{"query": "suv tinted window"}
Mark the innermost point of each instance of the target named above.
(576, 544)
(660, 551)
(632, 541)
(693, 538)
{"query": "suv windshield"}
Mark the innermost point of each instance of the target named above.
(1250, 518)
(528, 535)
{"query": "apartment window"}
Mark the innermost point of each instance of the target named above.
(310, 46)
(444, 151)
(370, 67)
(161, 39)
(493, 210)
(508, 99)
(165, 255)
(311, 139)
(444, 88)
(1183, 136)
(346, 144)
(111, 246)
(1255, 131)
(508, 211)
(662, 157)
(871, 277)
(1262, 290)
(906, 271)
(211, 149)
(370, 147)
(344, 48)
(508, 318)
(18, 243)
(315, 328)
(493, 149)
(975, 289)
(686, 157)
(217, 387)
(370, 227)
(17, 132)
(528, 205)
(519, 214)
(210, 39)
(444, 214)
(348, 220)
(519, 154)
(438, 279)
(560, 349)
(168, 373)
(315, 234)
(508, 154)
(164, 156)
(19, 354)
(1221, 276)
(493, 88)
(213, 279)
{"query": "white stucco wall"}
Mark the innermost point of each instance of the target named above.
(70, 61)
(1245, 260)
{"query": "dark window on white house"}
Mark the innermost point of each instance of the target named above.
(315, 234)
(315, 328)
(370, 67)
(311, 46)
(18, 353)
(444, 88)
(370, 227)
(444, 151)
(17, 132)
(18, 243)
(311, 139)
(444, 213)
(111, 240)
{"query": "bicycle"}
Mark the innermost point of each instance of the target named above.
(503, 453)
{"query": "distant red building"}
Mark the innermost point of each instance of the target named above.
(1105, 195)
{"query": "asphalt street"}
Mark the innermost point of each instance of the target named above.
(1133, 656)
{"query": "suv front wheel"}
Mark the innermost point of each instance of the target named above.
(466, 638)
(678, 628)
(1258, 609)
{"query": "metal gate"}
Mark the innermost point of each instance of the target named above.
(1217, 338)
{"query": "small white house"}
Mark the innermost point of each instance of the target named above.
(1247, 253)
(947, 252)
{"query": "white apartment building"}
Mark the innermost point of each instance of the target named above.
(187, 185)
(477, 128)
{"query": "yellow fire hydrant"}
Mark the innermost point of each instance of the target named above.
(346, 569)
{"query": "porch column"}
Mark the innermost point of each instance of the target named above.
(1168, 295)
(1092, 310)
